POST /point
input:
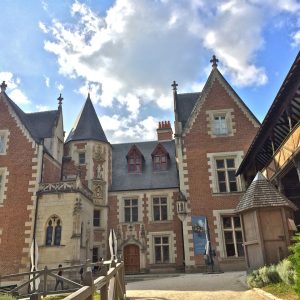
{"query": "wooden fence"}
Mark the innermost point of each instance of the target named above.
(109, 282)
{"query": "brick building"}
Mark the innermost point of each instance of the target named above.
(213, 130)
(158, 196)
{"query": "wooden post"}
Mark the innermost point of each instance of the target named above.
(104, 289)
(45, 282)
(88, 279)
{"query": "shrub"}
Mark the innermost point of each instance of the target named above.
(264, 275)
(254, 280)
(273, 274)
(286, 271)
(295, 259)
(7, 297)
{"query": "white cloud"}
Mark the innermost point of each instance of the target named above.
(59, 86)
(120, 129)
(42, 107)
(296, 38)
(132, 54)
(13, 90)
(47, 81)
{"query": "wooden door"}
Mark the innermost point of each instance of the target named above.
(132, 259)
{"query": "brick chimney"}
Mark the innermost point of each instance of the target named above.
(164, 131)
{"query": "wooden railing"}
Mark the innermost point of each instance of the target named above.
(110, 282)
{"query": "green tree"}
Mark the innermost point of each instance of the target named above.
(295, 259)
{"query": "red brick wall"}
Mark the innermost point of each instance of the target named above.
(198, 143)
(163, 135)
(51, 169)
(150, 226)
(14, 213)
(69, 167)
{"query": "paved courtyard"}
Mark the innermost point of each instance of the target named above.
(226, 286)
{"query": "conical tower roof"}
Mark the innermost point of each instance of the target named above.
(262, 193)
(87, 125)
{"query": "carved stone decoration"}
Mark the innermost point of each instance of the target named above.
(98, 190)
(76, 218)
(143, 234)
(77, 207)
(100, 172)
(99, 153)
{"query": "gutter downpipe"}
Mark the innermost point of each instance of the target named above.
(36, 208)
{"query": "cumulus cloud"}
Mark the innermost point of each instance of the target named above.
(13, 90)
(121, 129)
(47, 81)
(42, 107)
(131, 55)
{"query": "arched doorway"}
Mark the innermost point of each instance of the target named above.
(132, 259)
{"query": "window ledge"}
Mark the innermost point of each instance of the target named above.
(161, 222)
(232, 258)
(98, 228)
(51, 246)
(228, 193)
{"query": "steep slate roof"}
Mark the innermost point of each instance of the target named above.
(262, 193)
(184, 106)
(39, 124)
(87, 125)
(148, 179)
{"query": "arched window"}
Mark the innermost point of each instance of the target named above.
(49, 232)
(53, 231)
(57, 236)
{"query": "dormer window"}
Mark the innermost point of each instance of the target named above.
(160, 162)
(134, 160)
(160, 158)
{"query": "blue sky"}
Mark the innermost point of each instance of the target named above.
(130, 51)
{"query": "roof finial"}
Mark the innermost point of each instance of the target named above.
(174, 85)
(60, 99)
(89, 89)
(214, 61)
(3, 86)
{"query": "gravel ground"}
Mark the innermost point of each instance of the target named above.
(193, 287)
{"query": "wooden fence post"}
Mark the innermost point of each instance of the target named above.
(45, 281)
(104, 289)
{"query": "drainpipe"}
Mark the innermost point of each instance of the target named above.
(37, 204)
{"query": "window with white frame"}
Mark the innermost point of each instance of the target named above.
(225, 171)
(220, 122)
(2, 184)
(3, 141)
(160, 209)
(233, 238)
(220, 125)
(161, 249)
(130, 210)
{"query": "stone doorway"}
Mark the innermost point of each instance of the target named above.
(132, 259)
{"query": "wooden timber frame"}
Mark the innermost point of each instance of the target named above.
(273, 142)
(110, 283)
(285, 154)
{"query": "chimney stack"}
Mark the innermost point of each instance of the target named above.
(164, 131)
